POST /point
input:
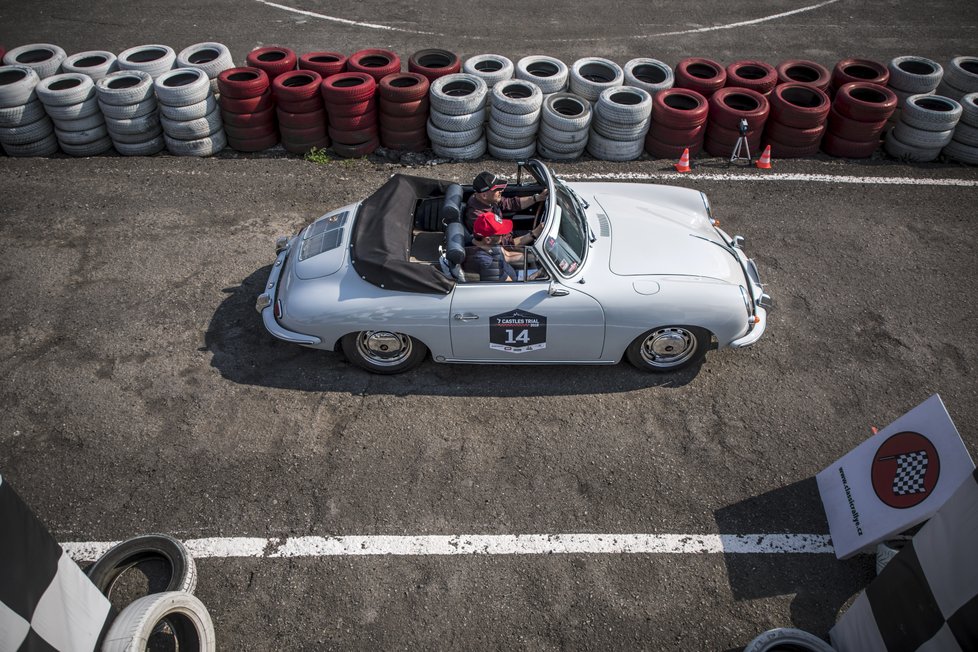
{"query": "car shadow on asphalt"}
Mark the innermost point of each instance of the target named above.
(821, 584)
(244, 352)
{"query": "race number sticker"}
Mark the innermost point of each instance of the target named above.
(517, 332)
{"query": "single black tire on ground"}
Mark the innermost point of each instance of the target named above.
(383, 352)
(123, 556)
(669, 348)
(187, 619)
(786, 638)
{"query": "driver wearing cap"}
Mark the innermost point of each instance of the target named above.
(488, 196)
(486, 257)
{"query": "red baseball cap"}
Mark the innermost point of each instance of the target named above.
(489, 223)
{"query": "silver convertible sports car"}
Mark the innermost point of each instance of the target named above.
(619, 269)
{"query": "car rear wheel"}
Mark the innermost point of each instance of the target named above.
(669, 348)
(383, 352)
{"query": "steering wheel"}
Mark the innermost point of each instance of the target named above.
(536, 217)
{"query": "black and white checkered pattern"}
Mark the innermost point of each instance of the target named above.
(911, 469)
(926, 598)
(46, 601)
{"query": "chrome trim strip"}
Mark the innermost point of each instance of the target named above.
(268, 314)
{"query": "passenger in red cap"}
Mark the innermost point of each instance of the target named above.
(488, 196)
(486, 257)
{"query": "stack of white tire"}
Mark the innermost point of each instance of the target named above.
(960, 78)
(651, 75)
(189, 114)
(926, 126)
(151, 59)
(129, 105)
(622, 116)
(912, 75)
(456, 122)
(591, 76)
(69, 100)
(564, 122)
(964, 143)
(548, 73)
(25, 129)
(43, 58)
(94, 63)
(212, 58)
(490, 68)
(514, 119)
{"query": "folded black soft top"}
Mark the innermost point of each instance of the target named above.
(381, 239)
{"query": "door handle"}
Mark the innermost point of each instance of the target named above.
(465, 316)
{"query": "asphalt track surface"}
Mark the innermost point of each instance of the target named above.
(139, 392)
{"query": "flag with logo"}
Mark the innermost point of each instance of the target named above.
(894, 480)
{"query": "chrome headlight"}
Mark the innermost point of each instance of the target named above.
(264, 300)
(746, 297)
(281, 243)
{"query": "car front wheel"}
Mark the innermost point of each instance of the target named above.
(669, 348)
(383, 352)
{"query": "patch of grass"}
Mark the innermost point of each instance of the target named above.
(318, 155)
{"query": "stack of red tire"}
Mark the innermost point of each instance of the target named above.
(704, 76)
(728, 106)
(300, 110)
(274, 60)
(248, 109)
(858, 116)
(376, 63)
(403, 103)
(848, 71)
(801, 71)
(797, 121)
(755, 75)
(326, 64)
(352, 109)
(678, 121)
(434, 63)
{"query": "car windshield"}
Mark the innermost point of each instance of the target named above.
(568, 249)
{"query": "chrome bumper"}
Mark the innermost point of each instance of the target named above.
(754, 333)
(268, 312)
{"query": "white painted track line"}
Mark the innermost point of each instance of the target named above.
(480, 544)
(764, 177)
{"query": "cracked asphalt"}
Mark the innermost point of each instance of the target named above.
(139, 392)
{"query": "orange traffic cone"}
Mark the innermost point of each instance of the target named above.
(764, 162)
(683, 165)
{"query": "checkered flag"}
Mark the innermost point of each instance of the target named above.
(46, 601)
(911, 469)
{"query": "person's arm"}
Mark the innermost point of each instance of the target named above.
(528, 238)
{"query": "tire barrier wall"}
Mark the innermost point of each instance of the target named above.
(468, 118)
(403, 111)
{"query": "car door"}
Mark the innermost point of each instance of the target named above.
(519, 322)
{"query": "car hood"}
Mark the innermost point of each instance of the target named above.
(664, 239)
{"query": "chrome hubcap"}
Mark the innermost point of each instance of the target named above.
(668, 347)
(383, 347)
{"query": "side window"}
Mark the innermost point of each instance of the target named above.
(524, 261)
